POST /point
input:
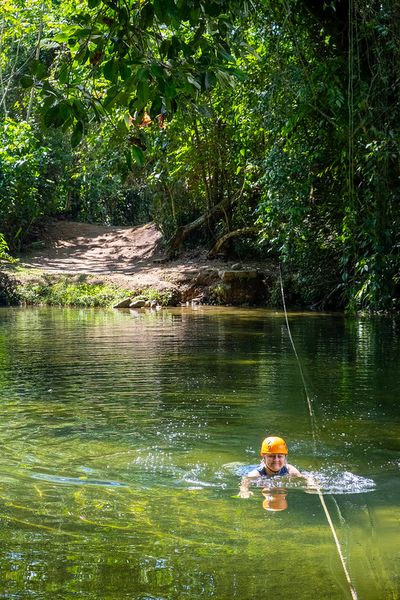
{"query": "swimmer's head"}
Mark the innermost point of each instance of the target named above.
(273, 445)
(274, 452)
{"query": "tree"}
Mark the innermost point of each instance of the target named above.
(149, 56)
(216, 118)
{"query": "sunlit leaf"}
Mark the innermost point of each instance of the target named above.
(194, 82)
(77, 134)
(138, 155)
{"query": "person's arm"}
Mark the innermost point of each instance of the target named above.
(312, 486)
(293, 471)
(244, 491)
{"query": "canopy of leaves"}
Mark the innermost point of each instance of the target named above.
(233, 115)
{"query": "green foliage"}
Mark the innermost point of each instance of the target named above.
(4, 250)
(150, 55)
(330, 178)
(219, 294)
(7, 284)
(8, 290)
(21, 162)
(64, 292)
(286, 115)
(163, 298)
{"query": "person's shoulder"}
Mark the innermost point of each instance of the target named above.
(254, 473)
(293, 471)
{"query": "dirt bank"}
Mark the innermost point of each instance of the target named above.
(128, 257)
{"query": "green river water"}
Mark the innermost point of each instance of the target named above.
(124, 436)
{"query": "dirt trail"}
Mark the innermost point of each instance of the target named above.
(129, 257)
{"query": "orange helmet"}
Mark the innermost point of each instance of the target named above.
(273, 445)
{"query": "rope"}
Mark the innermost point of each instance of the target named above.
(314, 432)
(338, 546)
(303, 379)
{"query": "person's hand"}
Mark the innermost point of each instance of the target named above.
(312, 486)
(245, 493)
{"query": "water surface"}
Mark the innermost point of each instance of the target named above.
(124, 435)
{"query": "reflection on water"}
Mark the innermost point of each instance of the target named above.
(124, 438)
(275, 499)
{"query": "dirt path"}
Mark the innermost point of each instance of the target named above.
(130, 257)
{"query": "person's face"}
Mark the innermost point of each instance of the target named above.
(275, 462)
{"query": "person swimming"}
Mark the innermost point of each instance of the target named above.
(274, 463)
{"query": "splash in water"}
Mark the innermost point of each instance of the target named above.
(330, 480)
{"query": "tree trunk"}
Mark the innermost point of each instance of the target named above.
(184, 230)
(221, 241)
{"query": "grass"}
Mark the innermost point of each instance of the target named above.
(64, 291)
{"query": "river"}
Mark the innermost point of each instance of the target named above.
(124, 436)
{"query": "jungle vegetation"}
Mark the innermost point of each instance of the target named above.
(266, 128)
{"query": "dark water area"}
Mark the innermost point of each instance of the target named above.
(124, 436)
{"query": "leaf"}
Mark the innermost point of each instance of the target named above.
(110, 70)
(138, 155)
(225, 54)
(157, 71)
(38, 69)
(142, 74)
(209, 80)
(79, 110)
(194, 16)
(112, 95)
(213, 9)
(143, 92)
(224, 79)
(62, 37)
(111, 4)
(164, 10)
(124, 71)
(57, 115)
(26, 81)
(98, 109)
(127, 120)
(147, 15)
(194, 82)
(82, 55)
(77, 134)
(164, 48)
(64, 73)
(128, 156)
(156, 106)
(170, 91)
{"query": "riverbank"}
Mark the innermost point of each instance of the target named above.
(79, 264)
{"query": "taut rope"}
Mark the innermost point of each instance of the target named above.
(314, 433)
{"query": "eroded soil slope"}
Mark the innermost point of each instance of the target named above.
(130, 257)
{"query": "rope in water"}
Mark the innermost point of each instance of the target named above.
(314, 434)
